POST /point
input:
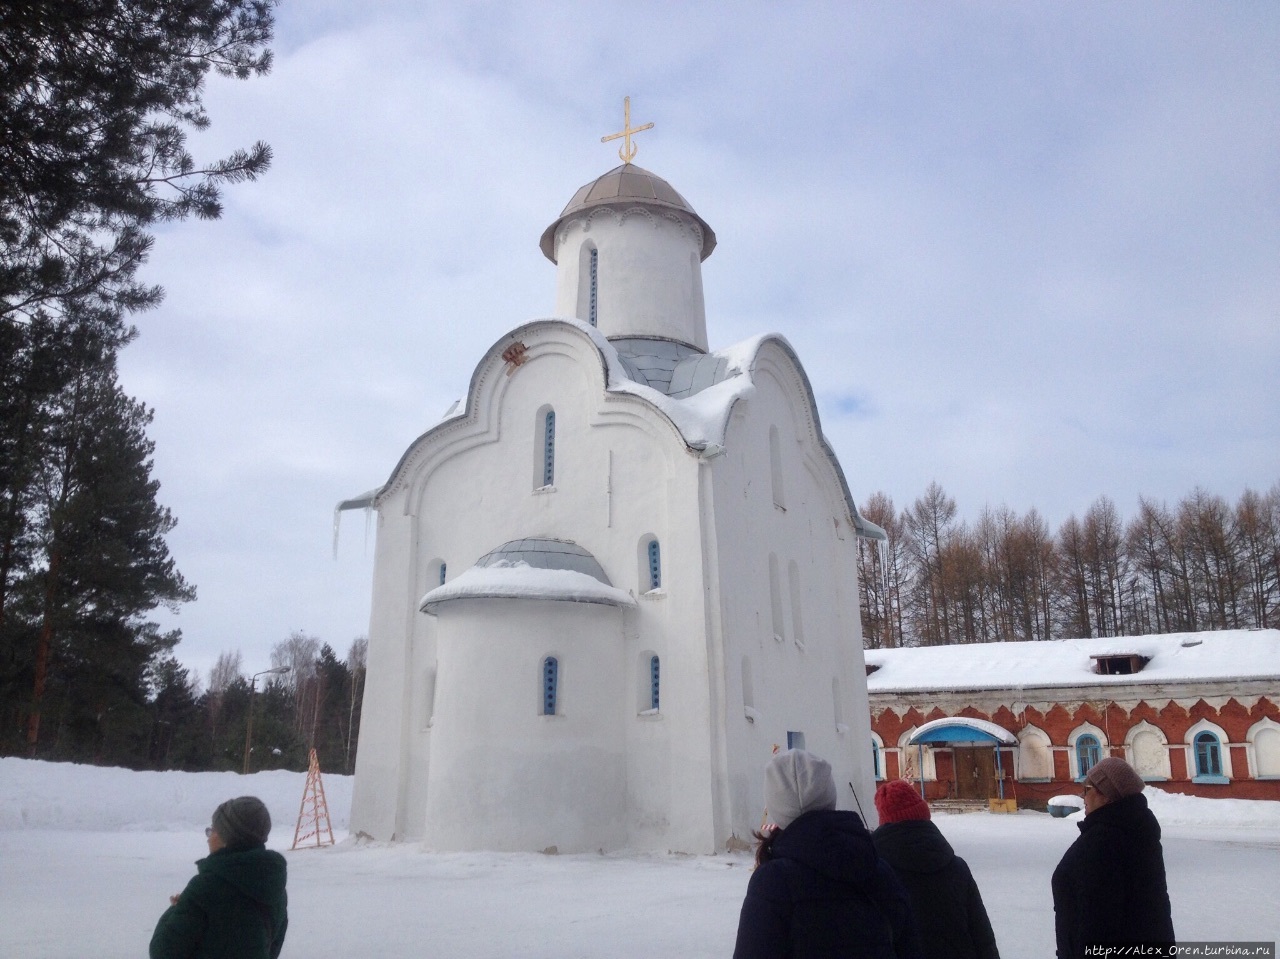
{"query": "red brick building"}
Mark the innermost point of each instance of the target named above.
(1195, 713)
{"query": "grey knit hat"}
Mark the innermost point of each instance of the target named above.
(242, 822)
(1114, 778)
(797, 782)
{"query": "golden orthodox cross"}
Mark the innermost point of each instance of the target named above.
(627, 151)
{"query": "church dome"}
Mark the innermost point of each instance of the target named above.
(626, 186)
(545, 554)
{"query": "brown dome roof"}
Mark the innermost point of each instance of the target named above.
(625, 186)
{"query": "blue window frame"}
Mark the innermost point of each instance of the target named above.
(442, 571)
(795, 739)
(550, 683)
(653, 682)
(655, 565)
(875, 758)
(595, 273)
(1088, 753)
(1208, 755)
(549, 448)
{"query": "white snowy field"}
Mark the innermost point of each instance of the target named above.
(89, 856)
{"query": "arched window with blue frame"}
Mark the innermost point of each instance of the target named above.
(549, 448)
(550, 685)
(1088, 753)
(654, 671)
(655, 564)
(1208, 755)
(875, 759)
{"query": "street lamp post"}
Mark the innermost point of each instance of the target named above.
(248, 727)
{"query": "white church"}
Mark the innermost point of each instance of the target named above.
(618, 575)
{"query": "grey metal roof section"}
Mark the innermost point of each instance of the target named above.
(693, 374)
(546, 554)
(625, 186)
(653, 360)
(632, 370)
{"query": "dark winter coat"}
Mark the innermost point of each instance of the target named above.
(949, 912)
(1110, 885)
(825, 893)
(234, 908)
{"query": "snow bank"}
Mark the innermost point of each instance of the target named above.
(519, 580)
(1173, 809)
(70, 796)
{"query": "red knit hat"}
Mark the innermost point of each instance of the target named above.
(898, 801)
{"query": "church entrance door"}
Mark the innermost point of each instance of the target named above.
(975, 772)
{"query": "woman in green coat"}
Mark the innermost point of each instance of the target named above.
(235, 907)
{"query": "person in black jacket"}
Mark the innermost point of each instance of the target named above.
(948, 908)
(1110, 886)
(819, 890)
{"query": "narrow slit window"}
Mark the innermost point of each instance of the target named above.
(653, 682)
(593, 290)
(549, 448)
(550, 684)
(655, 565)
(442, 572)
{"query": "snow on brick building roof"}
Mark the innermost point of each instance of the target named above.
(1223, 656)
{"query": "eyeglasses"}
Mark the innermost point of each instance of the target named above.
(208, 831)
(1088, 786)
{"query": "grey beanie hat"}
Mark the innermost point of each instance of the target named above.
(242, 822)
(1114, 778)
(797, 782)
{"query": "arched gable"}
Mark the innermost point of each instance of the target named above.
(477, 423)
(771, 356)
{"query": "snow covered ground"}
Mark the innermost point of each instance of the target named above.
(88, 857)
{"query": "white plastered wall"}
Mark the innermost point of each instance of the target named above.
(816, 551)
(649, 275)
(621, 472)
(375, 803)
(503, 775)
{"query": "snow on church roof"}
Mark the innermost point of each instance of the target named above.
(1238, 655)
(701, 417)
(505, 579)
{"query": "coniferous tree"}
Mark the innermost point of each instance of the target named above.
(356, 657)
(96, 97)
(104, 563)
(175, 741)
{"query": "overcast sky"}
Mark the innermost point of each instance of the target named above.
(1028, 250)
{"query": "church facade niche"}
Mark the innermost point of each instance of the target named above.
(591, 650)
